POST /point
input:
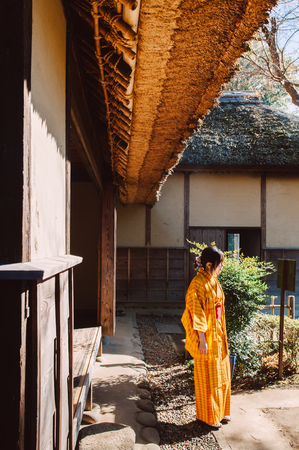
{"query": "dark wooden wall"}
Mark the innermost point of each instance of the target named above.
(151, 276)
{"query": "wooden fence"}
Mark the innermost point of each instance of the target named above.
(290, 306)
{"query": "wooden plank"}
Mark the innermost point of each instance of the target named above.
(25, 312)
(46, 304)
(186, 206)
(263, 212)
(68, 145)
(157, 284)
(139, 253)
(176, 274)
(138, 296)
(138, 285)
(121, 284)
(37, 354)
(147, 272)
(129, 273)
(41, 269)
(122, 253)
(158, 264)
(177, 285)
(158, 274)
(84, 145)
(122, 296)
(63, 345)
(15, 111)
(157, 253)
(177, 296)
(13, 354)
(160, 296)
(122, 274)
(167, 273)
(58, 368)
(148, 226)
(86, 345)
(138, 274)
(177, 263)
(108, 261)
(70, 354)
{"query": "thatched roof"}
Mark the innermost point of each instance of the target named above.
(241, 132)
(151, 72)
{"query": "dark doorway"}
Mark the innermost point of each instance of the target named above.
(249, 240)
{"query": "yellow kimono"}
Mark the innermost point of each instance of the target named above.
(211, 372)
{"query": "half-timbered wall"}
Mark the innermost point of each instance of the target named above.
(204, 207)
(48, 120)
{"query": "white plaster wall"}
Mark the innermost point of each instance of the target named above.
(282, 206)
(131, 225)
(167, 215)
(225, 199)
(48, 130)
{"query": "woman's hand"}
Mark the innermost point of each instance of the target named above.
(203, 346)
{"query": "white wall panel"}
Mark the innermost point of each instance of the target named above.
(48, 130)
(225, 199)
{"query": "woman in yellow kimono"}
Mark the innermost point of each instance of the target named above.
(206, 341)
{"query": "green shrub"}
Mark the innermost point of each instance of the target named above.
(242, 280)
(266, 331)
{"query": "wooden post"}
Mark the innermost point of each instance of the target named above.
(281, 326)
(286, 275)
(263, 216)
(148, 226)
(291, 305)
(107, 262)
(186, 205)
(272, 305)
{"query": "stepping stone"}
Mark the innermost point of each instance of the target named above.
(146, 419)
(106, 436)
(144, 394)
(150, 435)
(92, 416)
(145, 405)
(143, 384)
(146, 447)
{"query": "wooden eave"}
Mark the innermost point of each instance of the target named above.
(152, 70)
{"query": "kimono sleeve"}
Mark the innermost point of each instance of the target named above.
(199, 316)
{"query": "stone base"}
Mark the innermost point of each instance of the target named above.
(106, 436)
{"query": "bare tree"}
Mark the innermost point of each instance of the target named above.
(273, 54)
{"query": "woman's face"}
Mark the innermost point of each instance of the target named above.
(218, 269)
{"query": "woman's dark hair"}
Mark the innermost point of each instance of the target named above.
(212, 255)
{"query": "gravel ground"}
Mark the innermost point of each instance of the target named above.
(172, 390)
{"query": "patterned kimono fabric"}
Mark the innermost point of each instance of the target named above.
(205, 312)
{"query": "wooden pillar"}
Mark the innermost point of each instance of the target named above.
(15, 112)
(263, 215)
(107, 262)
(186, 227)
(148, 226)
(186, 205)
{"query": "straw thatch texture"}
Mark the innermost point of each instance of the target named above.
(143, 111)
(186, 52)
(244, 134)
